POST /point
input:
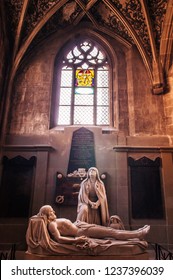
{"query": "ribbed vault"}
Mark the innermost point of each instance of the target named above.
(137, 22)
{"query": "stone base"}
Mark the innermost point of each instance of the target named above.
(142, 256)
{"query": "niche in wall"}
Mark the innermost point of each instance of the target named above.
(146, 189)
(16, 186)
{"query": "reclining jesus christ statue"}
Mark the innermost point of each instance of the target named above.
(65, 232)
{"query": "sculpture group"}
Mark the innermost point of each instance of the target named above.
(93, 232)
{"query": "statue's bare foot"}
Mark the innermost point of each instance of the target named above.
(143, 231)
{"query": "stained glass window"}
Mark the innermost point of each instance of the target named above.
(84, 86)
(84, 81)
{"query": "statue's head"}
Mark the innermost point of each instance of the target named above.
(47, 213)
(115, 222)
(93, 171)
(44, 210)
(114, 219)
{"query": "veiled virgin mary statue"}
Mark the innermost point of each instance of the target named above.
(92, 200)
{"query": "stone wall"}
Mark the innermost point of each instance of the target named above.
(4, 62)
(31, 99)
(148, 108)
(168, 104)
(139, 122)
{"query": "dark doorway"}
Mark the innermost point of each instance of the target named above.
(16, 186)
(146, 190)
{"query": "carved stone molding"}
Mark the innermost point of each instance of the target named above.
(146, 149)
(144, 161)
(19, 160)
(27, 148)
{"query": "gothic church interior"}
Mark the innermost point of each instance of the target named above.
(98, 68)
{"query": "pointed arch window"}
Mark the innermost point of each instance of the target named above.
(83, 86)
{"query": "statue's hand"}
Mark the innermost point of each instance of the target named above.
(94, 205)
(82, 242)
(80, 239)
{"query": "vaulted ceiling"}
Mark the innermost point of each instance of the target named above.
(144, 23)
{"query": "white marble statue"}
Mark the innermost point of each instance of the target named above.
(62, 229)
(48, 235)
(92, 200)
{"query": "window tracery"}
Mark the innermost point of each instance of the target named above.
(83, 86)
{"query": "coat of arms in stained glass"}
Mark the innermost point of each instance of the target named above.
(84, 81)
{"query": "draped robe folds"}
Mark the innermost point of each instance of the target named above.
(39, 242)
(83, 199)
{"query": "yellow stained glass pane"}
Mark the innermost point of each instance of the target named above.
(84, 78)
